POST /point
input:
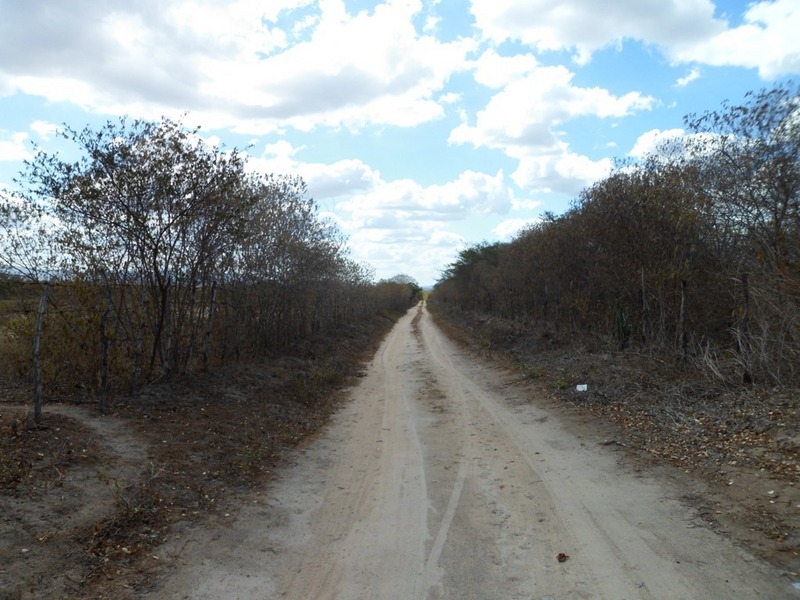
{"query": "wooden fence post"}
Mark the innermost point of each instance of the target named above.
(102, 399)
(37, 362)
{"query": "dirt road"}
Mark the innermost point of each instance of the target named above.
(440, 480)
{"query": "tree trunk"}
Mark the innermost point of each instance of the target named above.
(682, 337)
(106, 344)
(139, 339)
(166, 349)
(645, 310)
(207, 337)
(745, 347)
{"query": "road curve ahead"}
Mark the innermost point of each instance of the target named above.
(438, 481)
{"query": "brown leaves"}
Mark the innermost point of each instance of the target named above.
(31, 460)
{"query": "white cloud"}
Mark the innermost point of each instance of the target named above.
(525, 112)
(324, 180)
(564, 173)
(45, 129)
(13, 147)
(685, 30)
(421, 253)
(450, 98)
(508, 229)
(471, 193)
(526, 204)
(431, 24)
(693, 75)
(421, 250)
(399, 222)
(403, 223)
(371, 68)
(234, 65)
(767, 41)
(340, 178)
(522, 118)
(648, 143)
(584, 26)
(495, 71)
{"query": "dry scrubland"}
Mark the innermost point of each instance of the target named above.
(201, 316)
(194, 320)
(671, 289)
(86, 499)
(737, 447)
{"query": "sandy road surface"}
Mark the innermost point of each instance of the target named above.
(437, 481)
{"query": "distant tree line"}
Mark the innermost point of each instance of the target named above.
(694, 251)
(164, 254)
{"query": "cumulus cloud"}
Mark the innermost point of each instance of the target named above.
(767, 41)
(470, 193)
(526, 111)
(13, 146)
(649, 142)
(526, 204)
(356, 70)
(509, 228)
(324, 180)
(401, 222)
(693, 75)
(397, 222)
(523, 117)
(496, 71)
(584, 26)
(419, 248)
(44, 129)
(235, 65)
(530, 104)
(686, 31)
(488, 77)
(565, 173)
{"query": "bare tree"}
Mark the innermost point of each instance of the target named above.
(696, 246)
(149, 208)
(748, 157)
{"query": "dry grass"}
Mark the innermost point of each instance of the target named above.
(209, 440)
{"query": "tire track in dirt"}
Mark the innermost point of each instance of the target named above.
(493, 547)
(433, 483)
(379, 499)
(627, 536)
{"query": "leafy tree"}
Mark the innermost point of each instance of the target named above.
(414, 289)
(473, 276)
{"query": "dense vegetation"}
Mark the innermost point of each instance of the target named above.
(157, 253)
(693, 253)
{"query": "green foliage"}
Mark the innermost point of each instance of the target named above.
(470, 281)
(404, 291)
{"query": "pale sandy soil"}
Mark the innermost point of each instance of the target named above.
(441, 479)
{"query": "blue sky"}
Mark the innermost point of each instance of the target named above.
(420, 126)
